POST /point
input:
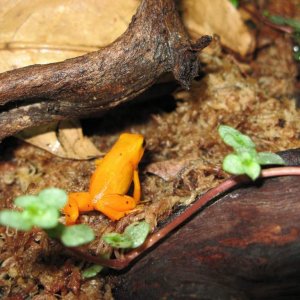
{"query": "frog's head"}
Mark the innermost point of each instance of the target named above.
(133, 146)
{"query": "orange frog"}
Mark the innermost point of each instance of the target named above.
(111, 181)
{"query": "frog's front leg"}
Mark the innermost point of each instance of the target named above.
(115, 206)
(77, 202)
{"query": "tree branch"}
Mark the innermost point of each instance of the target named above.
(154, 43)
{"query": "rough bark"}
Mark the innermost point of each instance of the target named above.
(154, 43)
(245, 245)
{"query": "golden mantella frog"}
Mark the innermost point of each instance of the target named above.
(111, 181)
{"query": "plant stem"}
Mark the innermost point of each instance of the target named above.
(154, 238)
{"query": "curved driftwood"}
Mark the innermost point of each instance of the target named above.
(244, 246)
(154, 43)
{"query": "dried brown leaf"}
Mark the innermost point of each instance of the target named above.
(218, 17)
(44, 31)
(168, 169)
(64, 140)
(29, 36)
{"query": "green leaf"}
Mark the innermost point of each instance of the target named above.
(138, 232)
(133, 236)
(244, 163)
(26, 201)
(72, 236)
(91, 271)
(235, 3)
(234, 138)
(252, 169)
(15, 220)
(232, 164)
(53, 197)
(118, 240)
(280, 20)
(247, 156)
(45, 218)
(77, 235)
(238, 165)
(269, 158)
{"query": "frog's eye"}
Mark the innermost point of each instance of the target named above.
(144, 144)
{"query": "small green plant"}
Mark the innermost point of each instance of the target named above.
(91, 271)
(280, 20)
(235, 3)
(133, 236)
(43, 211)
(245, 159)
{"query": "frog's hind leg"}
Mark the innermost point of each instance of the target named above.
(83, 200)
(115, 206)
(77, 202)
(137, 186)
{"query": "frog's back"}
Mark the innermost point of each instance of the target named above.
(115, 171)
